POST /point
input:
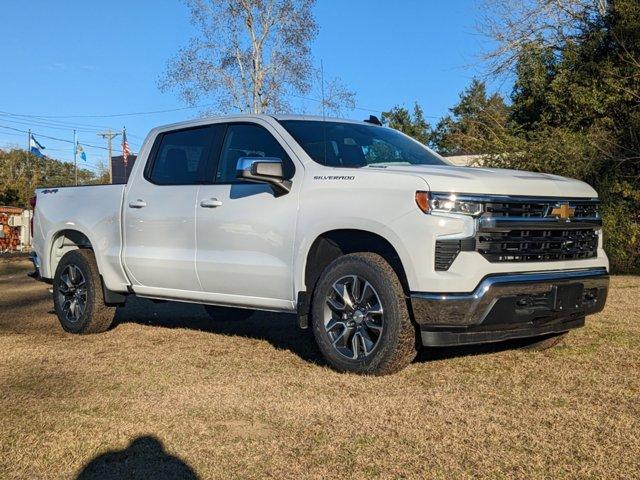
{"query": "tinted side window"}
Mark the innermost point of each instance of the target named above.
(184, 157)
(355, 145)
(246, 140)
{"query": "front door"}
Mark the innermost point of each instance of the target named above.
(244, 233)
(159, 211)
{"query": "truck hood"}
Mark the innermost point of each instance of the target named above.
(445, 178)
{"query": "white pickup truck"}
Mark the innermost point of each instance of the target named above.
(378, 243)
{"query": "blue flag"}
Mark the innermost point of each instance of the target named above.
(81, 151)
(35, 146)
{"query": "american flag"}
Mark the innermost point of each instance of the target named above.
(125, 147)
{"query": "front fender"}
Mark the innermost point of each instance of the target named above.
(349, 223)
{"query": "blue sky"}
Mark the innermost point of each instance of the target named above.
(101, 58)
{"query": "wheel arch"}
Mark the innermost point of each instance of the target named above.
(332, 244)
(69, 239)
(64, 241)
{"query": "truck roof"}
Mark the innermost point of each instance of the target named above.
(245, 116)
(314, 118)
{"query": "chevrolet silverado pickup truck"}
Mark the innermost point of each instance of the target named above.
(378, 244)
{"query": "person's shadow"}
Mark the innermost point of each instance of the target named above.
(144, 458)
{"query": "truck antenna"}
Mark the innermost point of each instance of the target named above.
(322, 87)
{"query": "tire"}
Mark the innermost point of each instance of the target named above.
(228, 313)
(375, 334)
(78, 269)
(546, 342)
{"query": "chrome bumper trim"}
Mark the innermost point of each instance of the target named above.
(466, 309)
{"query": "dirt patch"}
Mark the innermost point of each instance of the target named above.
(169, 390)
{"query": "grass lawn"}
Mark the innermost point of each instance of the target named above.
(170, 392)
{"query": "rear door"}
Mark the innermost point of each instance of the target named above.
(245, 234)
(159, 210)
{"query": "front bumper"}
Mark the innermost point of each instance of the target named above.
(508, 306)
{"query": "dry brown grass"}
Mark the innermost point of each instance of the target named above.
(253, 399)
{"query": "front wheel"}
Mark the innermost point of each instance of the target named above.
(77, 294)
(360, 317)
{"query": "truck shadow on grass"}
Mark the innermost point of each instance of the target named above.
(279, 329)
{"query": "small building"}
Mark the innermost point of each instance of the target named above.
(15, 229)
(119, 171)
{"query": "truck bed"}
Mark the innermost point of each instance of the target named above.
(96, 212)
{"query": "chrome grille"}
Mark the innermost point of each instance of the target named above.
(537, 245)
(530, 208)
(527, 210)
(519, 229)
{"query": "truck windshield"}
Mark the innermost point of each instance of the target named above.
(353, 145)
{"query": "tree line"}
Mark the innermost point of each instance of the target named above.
(21, 173)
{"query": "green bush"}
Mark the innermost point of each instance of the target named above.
(621, 219)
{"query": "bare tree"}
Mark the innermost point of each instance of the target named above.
(512, 24)
(248, 56)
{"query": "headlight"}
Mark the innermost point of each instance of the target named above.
(447, 203)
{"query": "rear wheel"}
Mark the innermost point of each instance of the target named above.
(360, 317)
(77, 294)
(544, 343)
(228, 313)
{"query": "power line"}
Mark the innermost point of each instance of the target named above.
(55, 127)
(52, 122)
(55, 138)
(9, 133)
(112, 115)
(96, 168)
(58, 123)
(46, 125)
(192, 107)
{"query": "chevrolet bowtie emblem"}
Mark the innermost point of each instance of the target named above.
(563, 211)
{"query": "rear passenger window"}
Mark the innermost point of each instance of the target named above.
(246, 140)
(184, 157)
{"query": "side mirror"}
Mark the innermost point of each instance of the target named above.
(264, 170)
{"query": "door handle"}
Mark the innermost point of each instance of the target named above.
(210, 203)
(137, 203)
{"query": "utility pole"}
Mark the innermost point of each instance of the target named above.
(28, 162)
(75, 152)
(109, 136)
